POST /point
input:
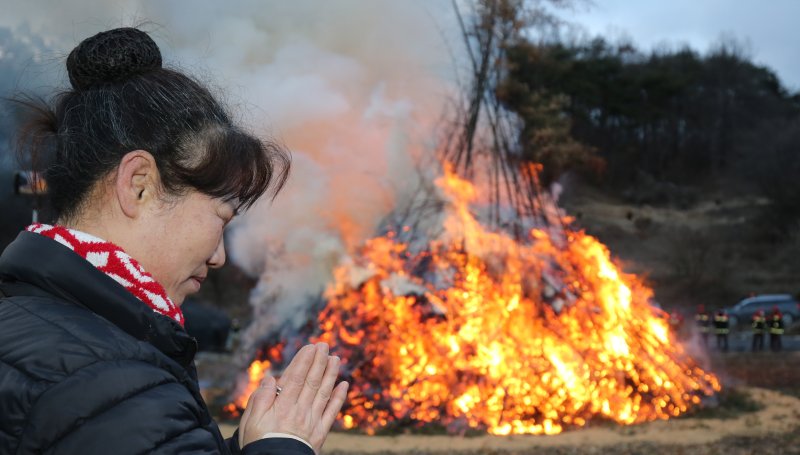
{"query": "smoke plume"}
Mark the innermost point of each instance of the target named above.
(352, 88)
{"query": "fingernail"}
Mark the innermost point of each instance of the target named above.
(323, 347)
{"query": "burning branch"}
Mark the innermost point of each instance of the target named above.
(492, 28)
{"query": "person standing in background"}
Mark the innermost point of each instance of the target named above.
(759, 329)
(722, 329)
(703, 322)
(776, 329)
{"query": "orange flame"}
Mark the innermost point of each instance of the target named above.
(255, 373)
(480, 330)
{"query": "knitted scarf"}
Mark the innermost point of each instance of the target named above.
(114, 262)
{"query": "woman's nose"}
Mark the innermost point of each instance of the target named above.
(217, 260)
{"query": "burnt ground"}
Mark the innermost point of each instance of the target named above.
(774, 371)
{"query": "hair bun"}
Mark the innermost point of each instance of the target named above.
(112, 56)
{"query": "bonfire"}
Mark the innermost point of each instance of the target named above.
(481, 329)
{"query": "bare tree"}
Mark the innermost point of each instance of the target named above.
(484, 136)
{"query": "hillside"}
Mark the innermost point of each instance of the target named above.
(709, 245)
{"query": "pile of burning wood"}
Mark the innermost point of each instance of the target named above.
(478, 328)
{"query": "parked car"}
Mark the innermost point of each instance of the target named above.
(742, 313)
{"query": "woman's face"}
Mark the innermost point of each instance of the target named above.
(185, 241)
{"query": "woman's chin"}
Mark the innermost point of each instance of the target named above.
(180, 296)
(189, 287)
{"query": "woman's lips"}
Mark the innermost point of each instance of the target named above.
(197, 281)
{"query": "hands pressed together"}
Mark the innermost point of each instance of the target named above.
(308, 402)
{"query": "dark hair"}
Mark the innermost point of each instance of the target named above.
(123, 100)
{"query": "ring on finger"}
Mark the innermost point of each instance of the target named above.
(278, 390)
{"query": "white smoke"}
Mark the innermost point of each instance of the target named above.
(352, 88)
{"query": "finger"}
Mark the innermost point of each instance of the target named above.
(251, 403)
(329, 416)
(264, 397)
(314, 377)
(294, 378)
(326, 387)
(334, 406)
(247, 408)
(250, 400)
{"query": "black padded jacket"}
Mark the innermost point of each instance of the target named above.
(86, 368)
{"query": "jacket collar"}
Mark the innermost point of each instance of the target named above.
(49, 266)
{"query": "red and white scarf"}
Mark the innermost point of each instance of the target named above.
(117, 264)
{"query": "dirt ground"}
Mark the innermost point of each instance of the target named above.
(773, 429)
(771, 383)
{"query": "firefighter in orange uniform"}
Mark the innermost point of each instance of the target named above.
(703, 322)
(721, 329)
(759, 329)
(775, 329)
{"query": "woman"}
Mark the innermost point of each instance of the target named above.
(148, 169)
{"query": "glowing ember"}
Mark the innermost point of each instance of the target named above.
(479, 330)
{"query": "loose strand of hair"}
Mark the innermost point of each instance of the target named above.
(37, 132)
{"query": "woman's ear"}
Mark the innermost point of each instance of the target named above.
(137, 182)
